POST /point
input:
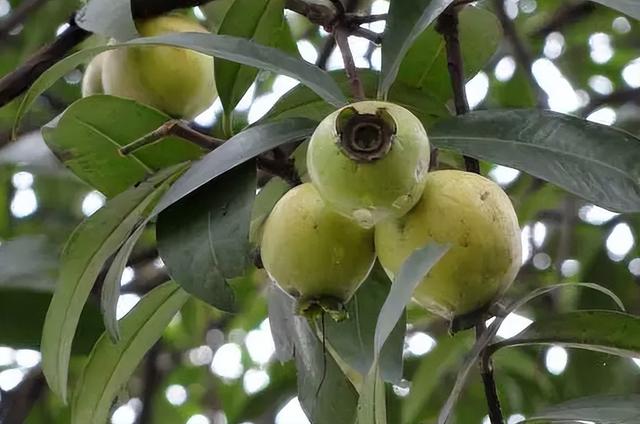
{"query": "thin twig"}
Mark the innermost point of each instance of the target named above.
(447, 25)
(284, 169)
(325, 52)
(616, 98)
(567, 14)
(357, 19)
(174, 127)
(341, 35)
(372, 36)
(19, 16)
(488, 380)
(520, 51)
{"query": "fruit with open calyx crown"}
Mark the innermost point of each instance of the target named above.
(369, 160)
(92, 78)
(315, 254)
(179, 82)
(476, 218)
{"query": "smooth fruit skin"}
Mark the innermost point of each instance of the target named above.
(370, 192)
(473, 215)
(92, 78)
(312, 252)
(179, 82)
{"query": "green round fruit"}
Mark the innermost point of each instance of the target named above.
(315, 254)
(92, 78)
(369, 161)
(179, 82)
(477, 219)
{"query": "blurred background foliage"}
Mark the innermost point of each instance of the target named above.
(217, 368)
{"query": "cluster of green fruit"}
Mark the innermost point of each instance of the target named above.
(371, 195)
(179, 82)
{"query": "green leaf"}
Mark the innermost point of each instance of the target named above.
(301, 102)
(610, 332)
(352, 339)
(325, 393)
(204, 239)
(226, 47)
(593, 161)
(407, 20)
(425, 65)
(111, 285)
(603, 409)
(235, 151)
(371, 406)
(109, 18)
(110, 365)
(257, 20)
(630, 7)
(85, 253)
(88, 135)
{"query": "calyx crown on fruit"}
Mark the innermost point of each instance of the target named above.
(365, 137)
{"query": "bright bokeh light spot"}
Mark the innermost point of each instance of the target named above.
(199, 14)
(292, 413)
(307, 51)
(125, 414)
(176, 394)
(601, 49)
(562, 97)
(503, 175)
(93, 201)
(208, 117)
(541, 261)
(620, 241)
(595, 215)
(631, 74)
(512, 325)
(260, 345)
(255, 380)
(634, 267)
(554, 45)
(525, 238)
(62, 28)
(22, 180)
(10, 379)
(604, 116)
(505, 69)
(528, 6)
(570, 268)
(621, 25)
(486, 420)
(27, 358)
(126, 302)
(261, 105)
(202, 355)
(198, 419)
(376, 59)
(477, 89)
(7, 356)
(515, 419)
(511, 7)
(378, 7)
(636, 361)
(5, 8)
(227, 361)
(24, 203)
(601, 84)
(128, 274)
(419, 344)
(539, 234)
(402, 389)
(556, 360)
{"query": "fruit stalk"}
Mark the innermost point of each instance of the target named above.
(489, 382)
(447, 25)
(341, 35)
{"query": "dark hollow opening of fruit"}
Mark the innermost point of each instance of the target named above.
(366, 137)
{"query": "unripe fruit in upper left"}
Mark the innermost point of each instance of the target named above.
(179, 82)
(369, 161)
